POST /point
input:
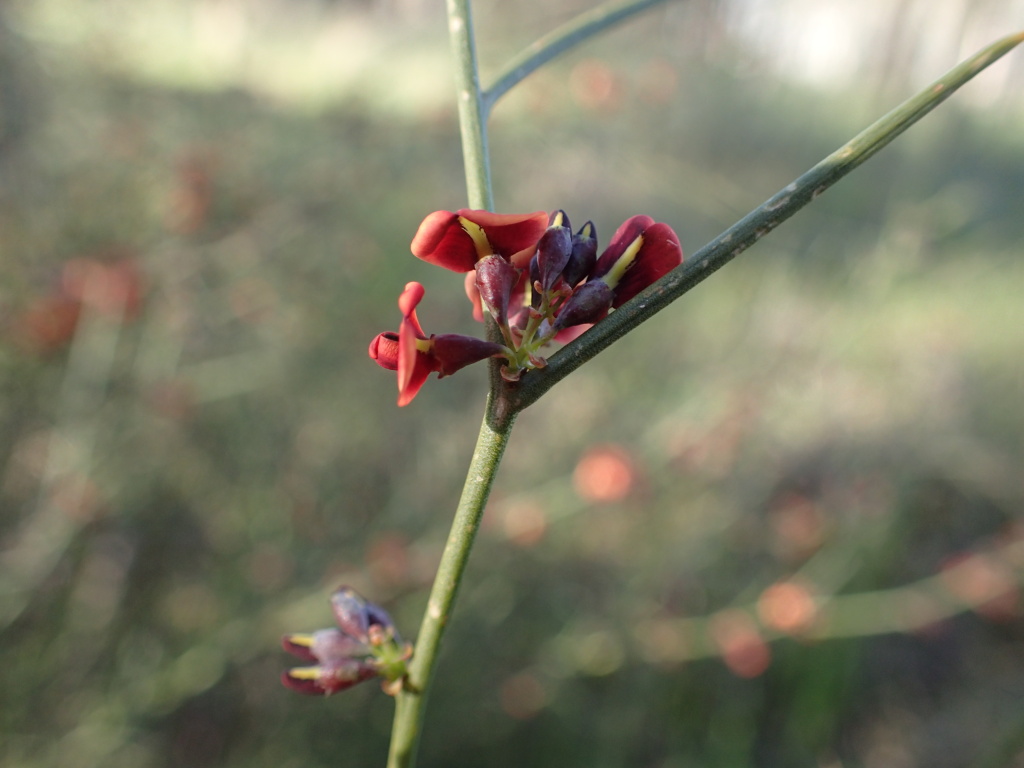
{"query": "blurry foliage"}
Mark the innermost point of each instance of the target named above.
(196, 448)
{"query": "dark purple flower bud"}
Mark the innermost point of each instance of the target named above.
(588, 304)
(495, 279)
(553, 250)
(559, 219)
(584, 255)
(453, 351)
(355, 615)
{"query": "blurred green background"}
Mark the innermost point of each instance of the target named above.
(779, 525)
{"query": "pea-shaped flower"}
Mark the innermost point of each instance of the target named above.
(415, 355)
(458, 240)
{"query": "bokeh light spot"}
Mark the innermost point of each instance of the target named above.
(740, 644)
(524, 523)
(604, 474)
(787, 607)
(522, 696)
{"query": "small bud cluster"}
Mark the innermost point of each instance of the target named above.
(540, 281)
(365, 644)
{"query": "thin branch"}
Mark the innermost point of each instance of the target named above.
(472, 117)
(752, 227)
(560, 40)
(412, 699)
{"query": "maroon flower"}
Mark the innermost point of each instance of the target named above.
(365, 645)
(415, 355)
(457, 241)
(640, 252)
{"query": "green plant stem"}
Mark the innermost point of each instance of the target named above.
(472, 113)
(560, 40)
(411, 701)
(752, 227)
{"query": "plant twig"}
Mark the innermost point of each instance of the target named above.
(560, 40)
(472, 113)
(753, 226)
(411, 701)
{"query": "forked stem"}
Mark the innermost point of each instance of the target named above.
(507, 400)
(755, 225)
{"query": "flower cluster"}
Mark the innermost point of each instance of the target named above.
(365, 645)
(540, 281)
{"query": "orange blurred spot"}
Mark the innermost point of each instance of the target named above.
(192, 196)
(662, 641)
(47, 324)
(191, 607)
(743, 650)
(114, 289)
(269, 568)
(983, 582)
(173, 399)
(787, 607)
(522, 696)
(604, 473)
(798, 526)
(524, 523)
(388, 561)
(593, 85)
(78, 497)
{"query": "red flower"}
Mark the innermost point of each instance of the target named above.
(415, 355)
(640, 252)
(457, 241)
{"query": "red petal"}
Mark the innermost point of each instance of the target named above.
(413, 365)
(509, 233)
(659, 255)
(408, 390)
(572, 332)
(473, 294)
(631, 228)
(407, 303)
(299, 645)
(441, 240)
(384, 349)
(308, 686)
(521, 259)
(325, 680)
